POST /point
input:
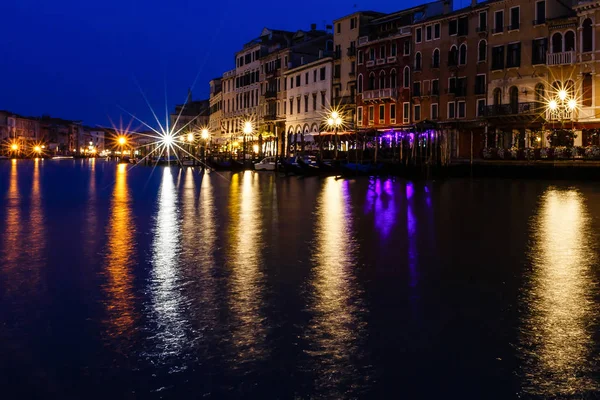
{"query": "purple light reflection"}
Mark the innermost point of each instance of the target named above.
(381, 202)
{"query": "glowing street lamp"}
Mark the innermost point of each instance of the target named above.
(247, 130)
(37, 149)
(14, 147)
(562, 94)
(572, 104)
(204, 134)
(122, 140)
(552, 105)
(334, 121)
(190, 137)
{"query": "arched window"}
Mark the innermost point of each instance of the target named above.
(539, 93)
(371, 85)
(557, 46)
(497, 96)
(587, 36)
(393, 79)
(482, 51)
(382, 80)
(463, 54)
(359, 83)
(570, 41)
(418, 61)
(453, 56)
(435, 58)
(406, 80)
(514, 99)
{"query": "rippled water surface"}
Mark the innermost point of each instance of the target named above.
(168, 283)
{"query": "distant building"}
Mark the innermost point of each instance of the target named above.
(16, 128)
(216, 114)
(191, 116)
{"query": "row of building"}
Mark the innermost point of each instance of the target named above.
(498, 73)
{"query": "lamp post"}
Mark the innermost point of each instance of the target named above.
(247, 131)
(562, 107)
(205, 134)
(122, 141)
(334, 122)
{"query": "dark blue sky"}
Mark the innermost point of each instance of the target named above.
(79, 59)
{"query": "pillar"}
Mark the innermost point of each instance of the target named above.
(578, 141)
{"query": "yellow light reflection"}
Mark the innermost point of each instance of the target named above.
(246, 241)
(557, 337)
(36, 236)
(120, 259)
(12, 232)
(336, 326)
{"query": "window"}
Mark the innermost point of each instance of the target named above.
(539, 48)
(462, 59)
(480, 111)
(499, 21)
(291, 83)
(298, 80)
(371, 85)
(314, 75)
(417, 112)
(337, 71)
(586, 88)
(382, 80)
(435, 111)
(323, 100)
(352, 67)
(462, 109)
(406, 48)
(540, 93)
(359, 115)
(360, 57)
(461, 86)
(480, 84)
(372, 53)
(452, 85)
(514, 18)
(453, 56)
(416, 88)
(405, 113)
(314, 96)
(338, 28)
(435, 58)
(353, 23)
(435, 87)
(482, 21)
(497, 96)
(513, 55)
(298, 105)
(381, 113)
(437, 31)
(393, 79)
(284, 107)
(557, 46)
(497, 57)
(392, 113)
(418, 34)
(418, 61)
(540, 12)
(359, 84)
(382, 52)
(428, 33)
(451, 110)
(406, 80)
(453, 27)
(570, 41)
(371, 114)
(513, 93)
(305, 104)
(482, 51)
(463, 26)
(322, 73)
(291, 106)
(393, 50)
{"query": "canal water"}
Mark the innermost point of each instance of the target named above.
(166, 283)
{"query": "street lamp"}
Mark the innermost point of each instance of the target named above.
(247, 131)
(204, 134)
(334, 122)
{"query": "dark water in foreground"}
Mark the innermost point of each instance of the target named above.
(133, 284)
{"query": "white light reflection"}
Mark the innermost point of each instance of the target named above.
(557, 337)
(167, 300)
(337, 325)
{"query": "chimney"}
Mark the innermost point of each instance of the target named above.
(313, 27)
(447, 7)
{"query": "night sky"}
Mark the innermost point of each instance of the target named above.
(80, 60)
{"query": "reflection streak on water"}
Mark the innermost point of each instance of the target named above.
(336, 325)
(120, 259)
(167, 300)
(246, 241)
(411, 226)
(12, 231)
(381, 201)
(560, 301)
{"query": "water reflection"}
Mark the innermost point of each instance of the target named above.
(246, 282)
(12, 230)
(337, 324)
(167, 299)
(411, 227)
(120, 259)
(557, 337)
(381, 202)
(36, 237)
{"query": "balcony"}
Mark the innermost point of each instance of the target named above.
(566, 57)
(391, 59)
(380, 61)
(343, 101)
(380, 94)
(502, 110)
(270, 116)
(481, 29)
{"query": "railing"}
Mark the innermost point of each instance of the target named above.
(500, 110)
(363, 40)
(391, 59)
(481, 29)
(270, 116)
(566, 57)
(380, 61)
(380, 94)
(514, 26)
(343, 101)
